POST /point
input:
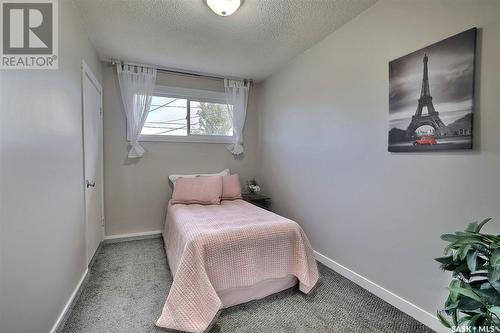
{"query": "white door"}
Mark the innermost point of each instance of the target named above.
(92, 152)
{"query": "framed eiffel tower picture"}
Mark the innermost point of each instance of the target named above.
(431, 96)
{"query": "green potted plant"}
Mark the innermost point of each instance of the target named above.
(474, 299)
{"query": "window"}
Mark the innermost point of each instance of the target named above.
(188, 115)
(167, 116)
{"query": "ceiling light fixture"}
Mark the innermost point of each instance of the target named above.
(224, 7)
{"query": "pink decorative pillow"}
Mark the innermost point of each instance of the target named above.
(199, 190)
(231, 188)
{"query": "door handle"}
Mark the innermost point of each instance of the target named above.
(89, 184)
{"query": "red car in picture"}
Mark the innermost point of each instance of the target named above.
(426, 140)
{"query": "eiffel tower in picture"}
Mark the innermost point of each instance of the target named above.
(432, 116)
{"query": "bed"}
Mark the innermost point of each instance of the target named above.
(228, 254)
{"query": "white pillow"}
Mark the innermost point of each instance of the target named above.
(173, 178)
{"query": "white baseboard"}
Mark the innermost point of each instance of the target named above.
(136, 235)
(409, 308)
(69, 303)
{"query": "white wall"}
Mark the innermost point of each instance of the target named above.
(323, 127)
(136, 192)
(43, 229)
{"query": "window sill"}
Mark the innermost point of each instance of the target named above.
(186, 139)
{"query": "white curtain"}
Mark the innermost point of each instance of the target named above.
(137, 84)
(237, 100)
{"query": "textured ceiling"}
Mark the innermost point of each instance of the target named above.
(257, 40)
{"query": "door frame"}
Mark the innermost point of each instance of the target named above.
(87, 73)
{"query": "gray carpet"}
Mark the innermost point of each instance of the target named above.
(129, 283)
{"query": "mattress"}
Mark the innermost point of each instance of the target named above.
(227, 254)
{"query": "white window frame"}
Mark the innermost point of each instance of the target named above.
(190, 95)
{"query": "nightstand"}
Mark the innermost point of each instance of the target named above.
(257, 199)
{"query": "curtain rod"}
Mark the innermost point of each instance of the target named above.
(180, 72)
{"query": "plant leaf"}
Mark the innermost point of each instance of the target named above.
(482, 249)
(496, 285)
(467, 304)
(461, 269)
(472, 261)
(445, 260)
(449, 237)
(493, 275)
(486, 285)
(472, 227)
(495, 310)
(491, 296)
(451, 306)
(463, 251)
(481, 225)
(473, 319)
(466, 292)
(454, 317)
(464, 319)
(453, 293)
(443, 320)
(495, 258)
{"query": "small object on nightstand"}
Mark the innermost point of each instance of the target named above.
(257, 199)
(253, 186)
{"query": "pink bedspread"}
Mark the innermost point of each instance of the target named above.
(217, 247)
